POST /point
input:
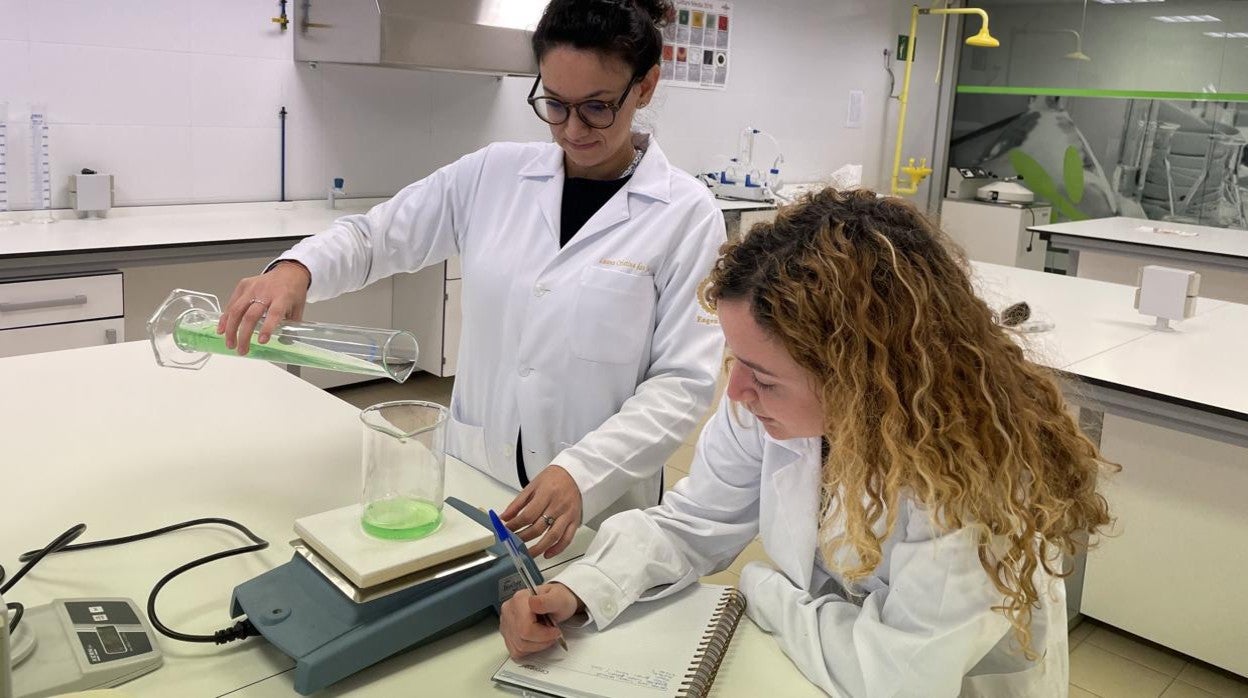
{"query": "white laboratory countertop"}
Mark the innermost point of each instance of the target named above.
(147, 227)
(143, 227)
(738, 205)
(107, 437)
(1227, 242)
(1199, 362)
(1089, 317)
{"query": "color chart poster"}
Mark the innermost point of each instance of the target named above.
(695, 45)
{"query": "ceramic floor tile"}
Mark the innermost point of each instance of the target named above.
(726, 577)
(681, 459)
(670, 477)
(1138, 650)
(1216, 681)
(1081, 633)
(1178, 689)
(421, 386)
(754, 551)
(1110, 676)
(1076, 692)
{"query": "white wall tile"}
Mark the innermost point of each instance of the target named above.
(239, 28)
(144, 24)
(150, 164)
(15, 19)
(306, 133)
(235, 164)
(91, 85)
(377, 127)
(14, 72)
(210, 77)
(306, 176)
(470, 112)
(237, 91)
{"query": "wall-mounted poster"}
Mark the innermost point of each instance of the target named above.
(695, 44)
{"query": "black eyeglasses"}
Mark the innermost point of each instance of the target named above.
(594, 113)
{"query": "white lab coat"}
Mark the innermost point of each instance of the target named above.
(920, 625)
(599, 350)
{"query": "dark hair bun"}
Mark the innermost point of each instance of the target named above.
(626, 29)
(661, 11)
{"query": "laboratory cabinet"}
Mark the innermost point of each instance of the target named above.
(1173, 568)
(60, 312)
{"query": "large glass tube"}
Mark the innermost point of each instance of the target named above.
(183, 332)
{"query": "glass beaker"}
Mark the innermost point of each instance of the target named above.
(404, 468)
(183, 331)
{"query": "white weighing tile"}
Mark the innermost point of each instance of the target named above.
(367, 561)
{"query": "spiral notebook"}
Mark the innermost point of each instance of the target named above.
(670, 648)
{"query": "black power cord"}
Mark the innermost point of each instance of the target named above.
(240, 630)
(18, 610)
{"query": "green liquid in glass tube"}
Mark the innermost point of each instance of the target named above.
(202, 336)
(401, 518)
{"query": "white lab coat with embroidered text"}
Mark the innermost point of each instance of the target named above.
(599, 351)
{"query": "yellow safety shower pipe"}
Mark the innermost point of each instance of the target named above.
(916, 174)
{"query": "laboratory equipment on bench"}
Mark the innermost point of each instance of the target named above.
(90, 193)
(1006, 192)
(1166, 293)
(739, 178)
(964, 182)
(40, 167)
(404, 468)
(4, 163)
(997, 233)
(346, 600)
(79, 644)
(183, 332)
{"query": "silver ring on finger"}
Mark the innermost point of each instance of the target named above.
(548, 520)
(260, 301)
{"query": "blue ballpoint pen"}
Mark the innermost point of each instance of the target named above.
(508, 539)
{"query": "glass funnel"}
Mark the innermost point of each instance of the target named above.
(404, 468)
(183, 332)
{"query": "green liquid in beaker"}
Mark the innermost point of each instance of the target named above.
(401, 518)
(202, 336)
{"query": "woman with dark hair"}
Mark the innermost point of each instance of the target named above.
(585, 359)
(914, 478)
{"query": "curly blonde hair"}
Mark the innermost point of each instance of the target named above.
(925, 394)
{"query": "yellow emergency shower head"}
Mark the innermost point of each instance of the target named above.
(983, 39)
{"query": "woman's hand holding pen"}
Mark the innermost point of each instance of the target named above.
(520, 623)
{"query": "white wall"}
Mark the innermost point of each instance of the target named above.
(179, 100)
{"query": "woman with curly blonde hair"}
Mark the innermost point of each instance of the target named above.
(914, 478)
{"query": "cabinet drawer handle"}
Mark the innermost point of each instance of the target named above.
(37, 305)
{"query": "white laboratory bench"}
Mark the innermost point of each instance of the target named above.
(1112, 249)
(1171, 407)
(136, 236)
(104, 436)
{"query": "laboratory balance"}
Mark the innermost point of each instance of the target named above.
(315, 610)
